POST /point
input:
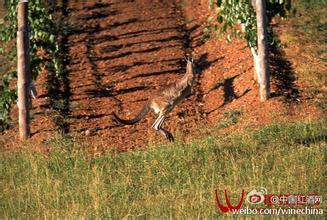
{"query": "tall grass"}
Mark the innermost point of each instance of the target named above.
(306, 36)
(168, 181)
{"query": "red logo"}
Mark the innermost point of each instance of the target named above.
(254, 198)
(229, 206)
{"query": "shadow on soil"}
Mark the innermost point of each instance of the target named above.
(282, 74)
(229, 92)
(58, 88)
(115, 42)
(136, 44)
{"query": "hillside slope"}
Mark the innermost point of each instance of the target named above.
(122, 51)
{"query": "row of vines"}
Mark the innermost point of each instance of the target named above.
(249, 19)
(45, 50)
(230, 14)
(236, 18)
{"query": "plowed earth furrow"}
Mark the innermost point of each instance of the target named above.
(123, 51)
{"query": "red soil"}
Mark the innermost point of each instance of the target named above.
(124, 50)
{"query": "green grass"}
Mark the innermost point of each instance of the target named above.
(230, 118)
(306, 37)
(172, 181)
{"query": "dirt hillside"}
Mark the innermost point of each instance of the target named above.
(123, 51)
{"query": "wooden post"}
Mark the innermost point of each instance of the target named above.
(23, 70)
(262, 36)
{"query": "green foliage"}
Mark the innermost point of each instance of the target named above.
(230, 118)
(238, 19)
(44, 47)
(7, 97)
(175, 181)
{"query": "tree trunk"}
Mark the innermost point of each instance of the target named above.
(23, 70)
(256, 71)
(263, 65)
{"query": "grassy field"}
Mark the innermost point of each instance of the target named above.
(305, 41)
(179, 180)
(173, 181)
